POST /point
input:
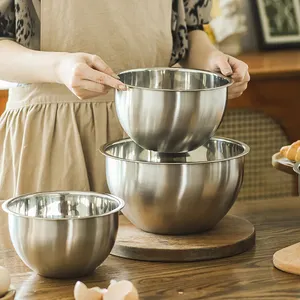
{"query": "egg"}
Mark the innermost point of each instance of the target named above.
(81, 292)
(121, 290)
(4, 281)
(97, 289)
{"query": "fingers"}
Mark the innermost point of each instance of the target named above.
(86, 94)
(240, 76)
(224, 66)
(86, 89)
(240, 69)
(238, 87)
(236, 91)
(85, 72)
(87, 75)
(97, 63)
(247, 77)
(94, 87)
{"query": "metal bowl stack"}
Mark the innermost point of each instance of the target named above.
(174, 176)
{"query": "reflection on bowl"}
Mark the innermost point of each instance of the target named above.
(63, 234)
(182, 195)
(171, 110)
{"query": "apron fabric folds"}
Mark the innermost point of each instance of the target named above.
(50, 139)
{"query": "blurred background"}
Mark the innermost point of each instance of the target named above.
(266, 35)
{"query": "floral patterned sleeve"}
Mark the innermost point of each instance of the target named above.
(19, 21)
(187, 15)
(7, 19)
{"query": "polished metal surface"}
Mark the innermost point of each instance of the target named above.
(63, 234)
(176, 194)
(296, 168)
(171, 110)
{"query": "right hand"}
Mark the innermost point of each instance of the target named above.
(87, 75)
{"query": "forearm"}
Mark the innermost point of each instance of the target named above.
(22, 65)
(200, 47)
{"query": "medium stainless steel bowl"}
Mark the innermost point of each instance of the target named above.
(171, 110)
(63, 234)
(176, 194)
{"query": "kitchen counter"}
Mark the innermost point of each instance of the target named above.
(245, 276)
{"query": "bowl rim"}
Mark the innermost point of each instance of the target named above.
(103, 150)
(121, 204)
(132, 87)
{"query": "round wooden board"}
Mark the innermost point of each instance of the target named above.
(282, 164)
(233, 235)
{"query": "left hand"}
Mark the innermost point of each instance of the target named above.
(230, 66)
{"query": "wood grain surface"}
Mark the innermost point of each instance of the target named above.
(283, 63)
(233, 235)
(250, 275)
(288, 259)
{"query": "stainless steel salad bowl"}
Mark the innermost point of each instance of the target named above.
(63, 234)
(176, 193)
(171, 110)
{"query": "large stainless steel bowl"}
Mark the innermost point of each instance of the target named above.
(63, 234)
(171, 110)
(176, 194)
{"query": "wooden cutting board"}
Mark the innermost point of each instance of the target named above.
(288, 259)
(233, 235)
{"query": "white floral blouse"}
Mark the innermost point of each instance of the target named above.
(20, 20)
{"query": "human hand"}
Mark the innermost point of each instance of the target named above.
(230, 66)
(86, 75)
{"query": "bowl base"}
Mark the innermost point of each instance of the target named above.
(231, 236)
(62, 276)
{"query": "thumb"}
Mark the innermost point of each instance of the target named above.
(224, 66)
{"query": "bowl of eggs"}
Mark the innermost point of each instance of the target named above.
(63, 234)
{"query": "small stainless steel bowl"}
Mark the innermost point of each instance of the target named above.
(171, 110)
(176, 194)
(63, 234)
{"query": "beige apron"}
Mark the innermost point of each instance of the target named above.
(49, 138)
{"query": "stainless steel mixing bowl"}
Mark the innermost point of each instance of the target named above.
(171, 110)
(63, 234)
(176, 194)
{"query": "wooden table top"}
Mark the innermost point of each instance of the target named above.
(245, 276)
